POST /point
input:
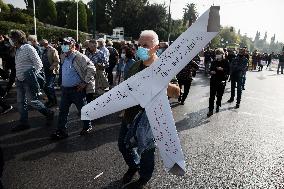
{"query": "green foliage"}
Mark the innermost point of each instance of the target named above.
(104, 9)
(189, 14)
(16, 16)
(62, 8)
(125, 13)
(72, 16)
(49, 33)
(4, 7)
(157, 21)
(47, 12)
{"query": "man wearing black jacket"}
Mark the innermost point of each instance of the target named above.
(238, 69)
(219, 71)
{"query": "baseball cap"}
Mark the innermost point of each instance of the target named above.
(69, 40)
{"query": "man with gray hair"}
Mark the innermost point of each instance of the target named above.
(50, 60)
(78, 75)
(143, 162)
(28, 65)
(32, 40)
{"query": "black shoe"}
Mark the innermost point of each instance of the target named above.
(58, 135)
(243, 88)
(20, 127)
(86, 131)
(217, 109)
(128, 176)
(138, 184)
(230, 100)
(237, 106)
(210, 113)
(182, 103)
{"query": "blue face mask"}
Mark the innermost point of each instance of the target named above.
(142, 53)
(65, 48)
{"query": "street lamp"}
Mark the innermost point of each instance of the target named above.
(34, 17)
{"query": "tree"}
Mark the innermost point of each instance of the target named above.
(82, 14)
(157, 21)
(4, 7)
(47, 12)
(104, 10)
(62, 8)
(189, 14)
(125, 13)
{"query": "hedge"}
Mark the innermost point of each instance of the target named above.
(50, 33)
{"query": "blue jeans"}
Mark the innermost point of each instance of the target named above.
(71, 95)
(24, 97)
(49, 87)
(147, 161)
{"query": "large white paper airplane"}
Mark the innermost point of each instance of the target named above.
(148, 89)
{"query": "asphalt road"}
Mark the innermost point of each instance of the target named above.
(241, 148)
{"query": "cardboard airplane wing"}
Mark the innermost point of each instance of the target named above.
(147, 88)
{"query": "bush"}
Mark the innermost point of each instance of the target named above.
(50, 33)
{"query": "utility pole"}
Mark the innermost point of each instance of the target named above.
(34, 17)
(77, 34)
(94, 18)
(169, 22)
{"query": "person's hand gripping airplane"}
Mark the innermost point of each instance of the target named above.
(148, 89)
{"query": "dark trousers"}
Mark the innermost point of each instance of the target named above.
(71, 95)
(186, 84)
(236, 79)
(49, 87)
(110, 75)
(2, 103)
(217, 89)
(280, 65)
(147, 161)
(244, 78)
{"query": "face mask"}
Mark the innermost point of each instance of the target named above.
(65, 48)
(11, 42)
(30, 43)
(142, 53)
(219, 57)
(123, 56)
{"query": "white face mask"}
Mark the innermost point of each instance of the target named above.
(219, 57)
(11, 42)
(123, 55)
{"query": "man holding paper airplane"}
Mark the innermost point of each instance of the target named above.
(148, 88)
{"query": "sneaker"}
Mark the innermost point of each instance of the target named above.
(128, 176)
(86, 131)
(20, 127)
(4, 111)
(230, 100)
(138, 184)
(210, 113)
(58, 135)
(237, 106)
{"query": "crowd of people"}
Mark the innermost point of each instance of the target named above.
(85, 74)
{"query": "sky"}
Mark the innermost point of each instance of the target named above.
(247, 15)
